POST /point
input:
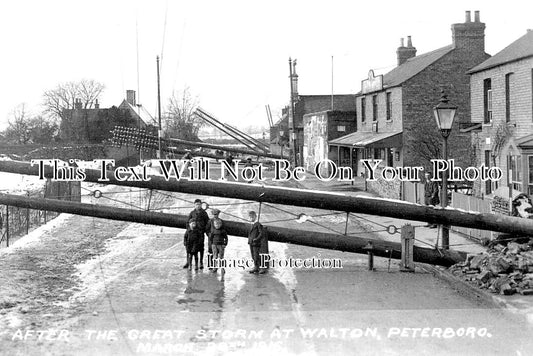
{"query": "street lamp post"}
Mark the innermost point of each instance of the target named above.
(444, 115)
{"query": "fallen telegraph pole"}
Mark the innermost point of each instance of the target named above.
(307, 238)
(307, 198)
(223, 148)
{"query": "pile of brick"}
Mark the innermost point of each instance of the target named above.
(503, 269)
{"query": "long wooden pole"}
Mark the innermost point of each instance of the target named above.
(307, 238)
(227, 131)
(262, 146)
(308, 198)
(223, 148)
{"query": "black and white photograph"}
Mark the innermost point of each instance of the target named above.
(236, 177)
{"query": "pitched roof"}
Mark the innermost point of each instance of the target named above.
(519, 49)
(413, 66)
(139, 111)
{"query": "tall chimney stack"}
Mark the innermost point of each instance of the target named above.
(130, 97)
(294, 81)
(404, 53)
(469, 35)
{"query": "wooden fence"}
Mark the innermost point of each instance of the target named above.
(16, 222)
(414, 192)
(470, 203)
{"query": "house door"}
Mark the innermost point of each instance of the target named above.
(488, 183)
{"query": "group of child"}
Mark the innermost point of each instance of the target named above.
(200, 224)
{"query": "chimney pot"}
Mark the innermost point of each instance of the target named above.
(130, 97)
(476, 16)
(401, 42)
(467, 16)
(404, 53)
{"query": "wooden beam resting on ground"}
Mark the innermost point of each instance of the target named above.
(298, 237)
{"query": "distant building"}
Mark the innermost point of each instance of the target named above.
(76, 123)
(303, 105)
(319, 129)
(502, 107)
(82, 125)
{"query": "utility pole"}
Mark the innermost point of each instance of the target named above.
(293, 142)
(332, 83)
(159, 131)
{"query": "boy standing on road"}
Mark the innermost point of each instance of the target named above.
(191, 240)
(209, 231)
(219, 239)
(255, 236)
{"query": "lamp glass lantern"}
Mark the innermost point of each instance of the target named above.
(444, 115)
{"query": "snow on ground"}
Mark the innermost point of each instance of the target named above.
(13, 183)
(35, 235)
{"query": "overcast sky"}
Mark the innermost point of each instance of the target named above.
(233, 55)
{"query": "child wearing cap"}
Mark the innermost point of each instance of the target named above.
(209, 230)
(219, 239)
(191, 240)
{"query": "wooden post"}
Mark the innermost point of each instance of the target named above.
(369, 248)
(27, 218)
(7, 225)
(408, 241)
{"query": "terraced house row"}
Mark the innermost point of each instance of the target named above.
(391, 117)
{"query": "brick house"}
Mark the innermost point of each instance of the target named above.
(502, 108)
(395, 111)
(75, 123)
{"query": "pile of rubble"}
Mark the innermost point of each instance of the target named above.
(503, 269)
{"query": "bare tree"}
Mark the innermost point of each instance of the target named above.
(499, 138)
(429, 146)
(43, 130)
(64, 96)
(18, 128)
(180, 120)
(61, 101)
(89, 91)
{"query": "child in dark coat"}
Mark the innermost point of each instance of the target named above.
(192, 242)
(219, 239)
